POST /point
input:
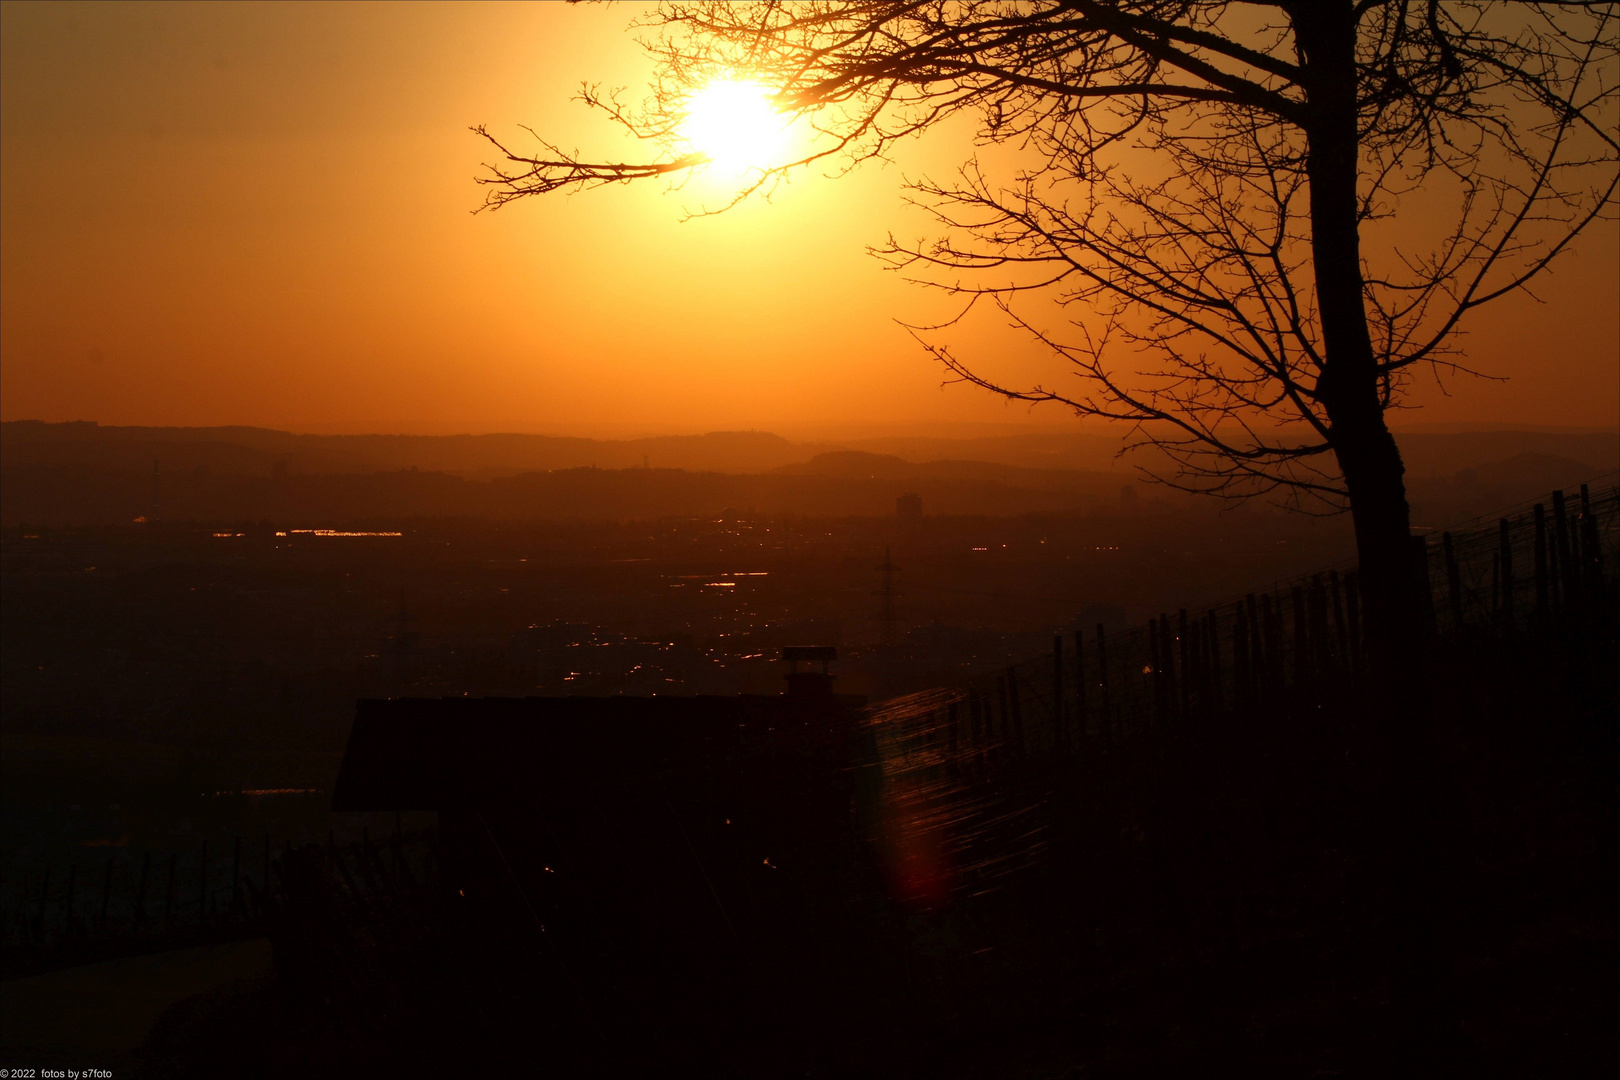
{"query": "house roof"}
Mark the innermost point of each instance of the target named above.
(433, 754)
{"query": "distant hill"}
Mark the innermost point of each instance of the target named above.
(1036, 450)
(1494, 486)
(84, 473)
(249, 449)
(258, 450)
(1446, 454)
(1427, 454)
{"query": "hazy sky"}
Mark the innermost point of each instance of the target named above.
(260, 214)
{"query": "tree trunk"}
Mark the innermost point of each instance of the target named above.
(1351, 392)
(1349, 385)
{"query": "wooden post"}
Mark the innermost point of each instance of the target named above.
(1543, 592)
(1272, 652)
(1216, 695)
(1103, 705)
(1555, 571)
(1496, 588)
(202, 884)
(1004, 717)
(1316, 605)
(1577, 557)
(1277, 645)
(1198, 675)
(1208, 684)
(1242, 692)
(1080, 683)
(1257, 651)
(1302, 638)
(1057, 689)
(1167, 654)
(1453, 582)
(1425, 587)
(987, 718)
(1017, 711)
(236, 874)
(1187, 674)
(1504, 534)
(265, 881)
(1156, 664)
(1167, 650)
(140, 890)
(1341, 646)
(1591, 548)
(1192, 673)
(1569, 592)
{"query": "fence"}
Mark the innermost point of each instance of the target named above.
(1533, 566)
(136, 902)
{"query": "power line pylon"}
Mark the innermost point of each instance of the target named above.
(888, 617)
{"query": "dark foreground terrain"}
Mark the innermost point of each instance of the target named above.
(1225, 843)
(1314, 886)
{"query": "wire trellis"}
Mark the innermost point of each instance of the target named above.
(1534, 564)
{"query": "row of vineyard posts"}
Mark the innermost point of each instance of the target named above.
(172, 899)
(1527, 571)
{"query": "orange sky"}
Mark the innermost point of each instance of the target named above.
(259, 214)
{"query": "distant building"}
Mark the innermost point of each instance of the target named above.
(812, 683)
(908, 507)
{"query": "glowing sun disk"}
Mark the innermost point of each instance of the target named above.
(732, 123)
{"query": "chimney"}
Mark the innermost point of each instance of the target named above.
(809, 683)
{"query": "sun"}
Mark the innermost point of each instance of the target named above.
(733, 123)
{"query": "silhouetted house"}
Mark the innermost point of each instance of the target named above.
(649, 858)
(810, 684)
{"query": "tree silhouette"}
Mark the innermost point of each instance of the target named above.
(1256, 221)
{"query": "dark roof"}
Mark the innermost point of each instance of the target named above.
(434, 753)
(792, 653)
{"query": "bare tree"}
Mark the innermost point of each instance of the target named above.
(1253, 222)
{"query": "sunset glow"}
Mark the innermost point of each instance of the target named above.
(289, 245)
(733, 124)
(1268, 353)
